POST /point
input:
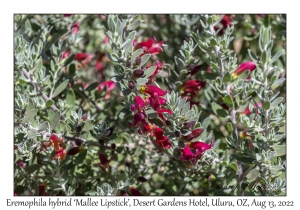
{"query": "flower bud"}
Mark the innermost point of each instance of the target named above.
(138, 61)
(113, 146)
(131, 85)
(78, 142)
(138, 73)
(53, 137)
(74, 151)
(101, 142)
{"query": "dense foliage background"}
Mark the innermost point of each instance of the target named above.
(77, 77)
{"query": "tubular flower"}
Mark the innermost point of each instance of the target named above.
(151, 46)
(188, 155)
(249, 65)
(56, 142)
(156, 102)
(104, 161)
(110, 85)
(83, 58)
(75, 28)
(192, 87)
(195, 133)
(152, 90)
(61, 154)
(160, 140)
(160, 111)
(224, 23)
(248, 112)
(200, 146)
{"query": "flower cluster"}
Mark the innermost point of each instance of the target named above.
(58, 146)
(191, 89)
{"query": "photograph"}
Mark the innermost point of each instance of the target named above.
(149, 105)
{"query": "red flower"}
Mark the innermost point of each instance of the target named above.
(83, 58)
(75, 27)
(110, 85)
(135, 192)
(192, 87)
(150, 46)
(187, 154)
(65, 54)
(249, 65)
(99, 65)
(138, 119)
(152, 90)
(160, 111)
(200, 146)
(156, 102)
(42, 190)
(195, 133)
(248, 112)
(21, 164)
(104, 161)
(160, 140)
(224, 23)
(61, 154)
(67, 15)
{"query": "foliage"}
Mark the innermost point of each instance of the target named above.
(149, 105)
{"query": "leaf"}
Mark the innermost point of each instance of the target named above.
(219, 111)
(280, 150)
(32, 133)
(69, 60)
(126, 91)
(242, 107)
(129, 182)
(30, 106)
(253, 174)
(88, 125)
(227, 77)
(266, 105)
(205, 123)
(277, 83)
(32, 168)
(176, 153)
(141, 81)
(80, 158)
(124, 113)
(44, 126)
(276, 56)
(71, 69)
(49, 103)
(276, 102)
(29, 115)
(209, 76)
(181, 144)
(60, 88)
(149, 71)
(134, 25)
(144, 59)
(245, 160)
(229, 127)
(70, 97)
(111, 57)
(54, 121)
(185, 108)
(136, 53)
(228, 101)
(92, 86)
(252, 55)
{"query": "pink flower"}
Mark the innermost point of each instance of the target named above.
(160, 140)
(83, 58)
(110, 85)
(200, 146)
(249, 65)
(160, 111)
(75, 27)
(21, 164)
(248, 112)
(150, 47)
(187, 154)
(192, 87)
(65, 54)
(106, 40)
(152, 90)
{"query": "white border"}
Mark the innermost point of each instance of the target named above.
(151, 6)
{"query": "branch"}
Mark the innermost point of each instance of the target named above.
(44, 96)
(93, 102)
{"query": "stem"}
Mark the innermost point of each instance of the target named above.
(34, 83)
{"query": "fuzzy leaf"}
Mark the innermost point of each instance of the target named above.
(276, 102)
(60, 88)
(55, 120)
(280, 150)
(219, 111)
(29, 115)
(70, 97)
(149, 71)
(144, 59)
